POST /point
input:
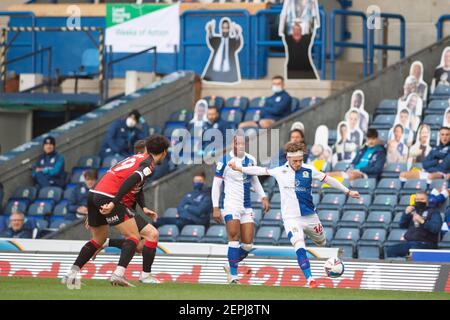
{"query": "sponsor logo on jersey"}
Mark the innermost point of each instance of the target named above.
(305, 174)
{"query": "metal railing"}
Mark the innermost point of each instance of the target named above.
(348, 44)
(109, 64)
(320, 42)
(25, 14)
(440, 25)
(385, 47)
(47, 83)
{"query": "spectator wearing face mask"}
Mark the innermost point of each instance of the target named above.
(122, 135)
(423, 222)
(194, 208)
(277, 106)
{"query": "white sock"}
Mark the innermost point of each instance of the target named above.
(75, 268)
(106, 244)
(144, 274)
(120, 271)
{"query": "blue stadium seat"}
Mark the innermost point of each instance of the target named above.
(272, 218)
(384, 202)
(333, 201)
(346, 239)
(2, 224)
(341, 166)
(78, 174)
(388, 186)
(231, 115)
(52, 193)
(216, 234)
(442, 90)
(329, 218)
(191, 233)
(59, 224)
(237, 102)
(215, 101)
(378, 219)
(326, 189)
(251, 131)
(352, 219)
(329, 234)
(387, 106)
(111, 161)
(252, 114)
(41, 207)
(28, 192)
(61, 209)
(170, 213)
(395, 221)
(368, 251)
(309, 101)
(395, 236)
(434, 120)
(69, 189)
(16, 205)
(41, 224)
(392, 170)
(168, 233)
(259, 102)
(434, 138)
(373, 236)
(182, 115)
(332, 137)
(268, 235)
(383, 121)
(316, 198)
(275, 199)
(284, 241)
(154, 130)
(89, 162)
(438, 183)
(445, 241)
(101, 172)
(403, 203)
(383, 135)
(358, 204)
(171, 126)
(364, 186)
(413, 186)
(436, 107)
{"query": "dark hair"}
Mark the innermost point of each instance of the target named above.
(399, 126)
(157, 144)
(135, 113)
(444, 128)
(404, 111)
(200, 174)
(278, 77)
(214, 107)
(297, 130)
(372, 133)
(294, 147)
(90, 175)
(225, 21)
(139, 146)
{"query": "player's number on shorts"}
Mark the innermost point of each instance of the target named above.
(125, 164)
(318, 228)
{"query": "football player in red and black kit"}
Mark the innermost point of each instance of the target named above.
(111, 202)
(149, 234)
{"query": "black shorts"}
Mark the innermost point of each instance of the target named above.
(140, 221)
(119, 214)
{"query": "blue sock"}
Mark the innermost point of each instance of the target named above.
(303, 262)
(242, 254)
(233, 256)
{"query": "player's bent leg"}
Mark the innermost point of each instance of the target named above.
(99, 235)
(233, 230)
(130, 231)
(150, 244)
(247, 233)
(295, 234)
(313, 228)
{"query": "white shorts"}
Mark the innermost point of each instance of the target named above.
(310, 225)
(245, 215)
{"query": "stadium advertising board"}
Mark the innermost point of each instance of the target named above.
(255, 271)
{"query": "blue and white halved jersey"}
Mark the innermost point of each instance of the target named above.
(237, 185)
(295, 189)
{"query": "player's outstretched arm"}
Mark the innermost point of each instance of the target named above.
(337, 185)
(253, 170)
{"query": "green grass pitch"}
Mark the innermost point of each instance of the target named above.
(43, 289)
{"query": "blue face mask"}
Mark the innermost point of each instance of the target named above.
(198, 185)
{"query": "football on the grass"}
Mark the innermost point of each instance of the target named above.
(334, 267)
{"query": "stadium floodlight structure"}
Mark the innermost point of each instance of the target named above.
(88, 30)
